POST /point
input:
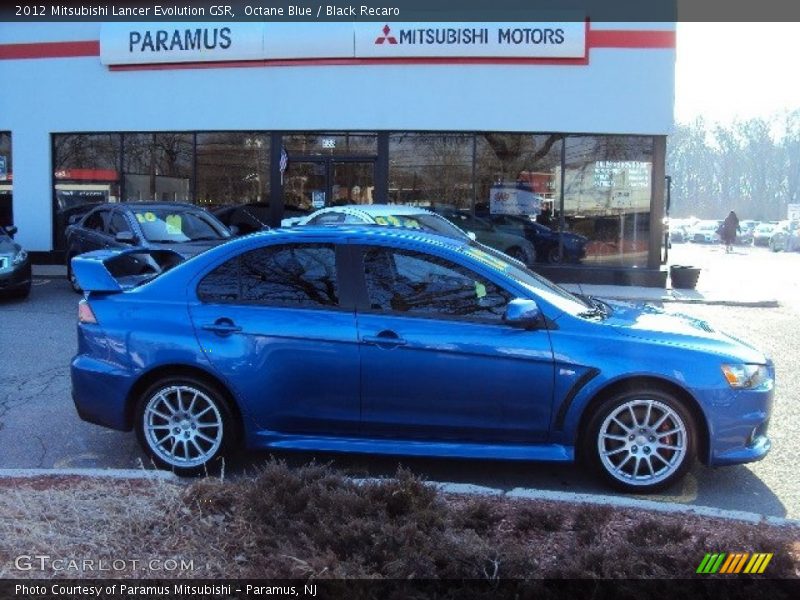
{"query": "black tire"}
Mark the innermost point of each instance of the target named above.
(22, 293)
(553, 257)
(183, 428)
(678, 431)
(71, 276)
(518, 253)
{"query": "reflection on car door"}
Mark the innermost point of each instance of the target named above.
(275, 323)
(437, 360)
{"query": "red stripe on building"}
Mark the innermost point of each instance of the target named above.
(50, 50)
(620, 38)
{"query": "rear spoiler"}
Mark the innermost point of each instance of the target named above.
(114, 271)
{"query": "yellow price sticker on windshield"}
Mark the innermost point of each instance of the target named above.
(140, 217)
(174, 224)
(381, 221)
(480, 290)
(150, 217)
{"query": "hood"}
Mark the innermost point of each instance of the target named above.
(647, 322)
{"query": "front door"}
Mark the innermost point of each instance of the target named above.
(438, 363)
(319, 182)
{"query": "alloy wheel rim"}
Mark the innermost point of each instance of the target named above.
(182, 426)
(642, 442)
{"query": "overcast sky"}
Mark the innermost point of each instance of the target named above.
(730, 70)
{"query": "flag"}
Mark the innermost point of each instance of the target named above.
(283, 162)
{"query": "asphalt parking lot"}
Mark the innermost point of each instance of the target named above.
(39, 426)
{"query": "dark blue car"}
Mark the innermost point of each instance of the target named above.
(394, 341)
(544, 239)
(182, 228)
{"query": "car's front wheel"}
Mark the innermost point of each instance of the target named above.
(185, 425)
(641, 441)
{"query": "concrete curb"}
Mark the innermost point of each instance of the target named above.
(101, 473)
(620, 502)
(466, 489)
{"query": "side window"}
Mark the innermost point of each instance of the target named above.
(95, 221)
(329, 218)
(422, 284)
(222, 284)
(294, 275)
(118, 224)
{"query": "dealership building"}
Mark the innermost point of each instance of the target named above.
(562, 122)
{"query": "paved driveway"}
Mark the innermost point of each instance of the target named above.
(39, 426)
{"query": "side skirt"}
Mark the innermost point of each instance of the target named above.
(543, 452)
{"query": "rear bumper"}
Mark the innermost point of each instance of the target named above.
(100, 391)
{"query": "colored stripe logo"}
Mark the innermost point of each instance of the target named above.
(734, 563)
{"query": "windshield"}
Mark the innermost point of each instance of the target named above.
(168, 225)
(544, 288)
(424, 222)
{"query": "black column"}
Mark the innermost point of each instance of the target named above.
(382, 169)
(276, 186)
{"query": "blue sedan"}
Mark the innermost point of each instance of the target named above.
(393, 341)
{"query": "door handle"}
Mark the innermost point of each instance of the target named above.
(222, 326)
(386, 338)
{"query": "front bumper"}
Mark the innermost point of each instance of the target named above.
(738, 427)
(16, 278)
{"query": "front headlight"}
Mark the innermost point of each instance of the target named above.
(746, 377)
(20, 257)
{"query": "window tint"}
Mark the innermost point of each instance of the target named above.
(95, 221)
(222, 284)
(118, 223)
(301, 275)
(297, 275)
(417, 283)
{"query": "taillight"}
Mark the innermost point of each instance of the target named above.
(85, 313)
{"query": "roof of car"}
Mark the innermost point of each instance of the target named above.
(148, 205)
(377, 210)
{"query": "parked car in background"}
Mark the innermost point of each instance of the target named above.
(392, 341)
(705, 232)
(183, 228)
(762, 233)
(544, 239)
(511, 242)
(745, 235)
(15, 265)
(251, 217)
(457, 225)
(785, 237)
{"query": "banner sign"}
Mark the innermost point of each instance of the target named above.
(514, 199)
(127, 43)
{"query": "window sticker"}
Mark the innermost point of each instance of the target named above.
(140, 217)
(480, 290)
(174, 225)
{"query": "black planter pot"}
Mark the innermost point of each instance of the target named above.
(684, 277)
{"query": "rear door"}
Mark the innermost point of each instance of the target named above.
(277, 324)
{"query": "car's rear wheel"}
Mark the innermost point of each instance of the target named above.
(553, 256)
(185, 425)
(641, 441)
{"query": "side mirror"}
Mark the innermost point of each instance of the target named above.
(73, 219)
(522, 313)
(11, 230)
(471, 235)
(234, 229)
(125, 237)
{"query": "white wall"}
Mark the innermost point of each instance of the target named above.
(620, 91)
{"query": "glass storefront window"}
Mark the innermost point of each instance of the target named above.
(86, 172)
(433, 170)
(158, 166)
(6, 185)
(330, 144)
(232, 168)
(607, 194)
